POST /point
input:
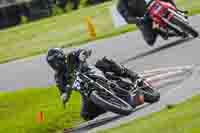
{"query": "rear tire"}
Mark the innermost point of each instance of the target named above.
(152, 97)
(185, 27)
(151, 94)
(100, 99)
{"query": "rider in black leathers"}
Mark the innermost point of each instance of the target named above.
(64, 67)
(134, 11)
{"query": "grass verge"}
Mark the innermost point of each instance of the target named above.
(18, 111)
(182, 118)
(66, 30)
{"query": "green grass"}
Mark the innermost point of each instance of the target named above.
(65, 30)
(183, 118)
(18, 111)
(191, 5)
(18, 114)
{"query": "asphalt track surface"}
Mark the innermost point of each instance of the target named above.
(131, 50)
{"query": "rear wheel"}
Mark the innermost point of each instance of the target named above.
(150, 93)
(185, 26)
(109, 101)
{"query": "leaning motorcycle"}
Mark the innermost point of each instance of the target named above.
(168, 18)
(94, 85)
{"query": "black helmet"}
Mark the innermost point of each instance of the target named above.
(56, 58)
(84, 54)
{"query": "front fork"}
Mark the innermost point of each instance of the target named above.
(177, 30)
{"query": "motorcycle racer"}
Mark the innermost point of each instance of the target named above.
(64, 67)
(133, 11)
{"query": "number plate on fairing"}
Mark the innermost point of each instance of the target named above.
(157, 8)
(77, 84)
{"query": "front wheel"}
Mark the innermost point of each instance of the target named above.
(185, 26)
(108, 101)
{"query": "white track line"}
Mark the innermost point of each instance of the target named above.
(165, 76)
(163, 83)
(167, 69)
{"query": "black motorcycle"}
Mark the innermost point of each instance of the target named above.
(108, 94)
(99, 89)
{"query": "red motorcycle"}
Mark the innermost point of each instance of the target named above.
(168, 18)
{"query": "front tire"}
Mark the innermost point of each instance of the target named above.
(185, 27)
(110, 102)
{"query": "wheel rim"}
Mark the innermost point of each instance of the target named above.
(109, 97)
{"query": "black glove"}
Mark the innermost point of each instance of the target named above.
(140, 20)
(66, 95)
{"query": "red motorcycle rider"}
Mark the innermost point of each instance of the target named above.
(134, 11)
